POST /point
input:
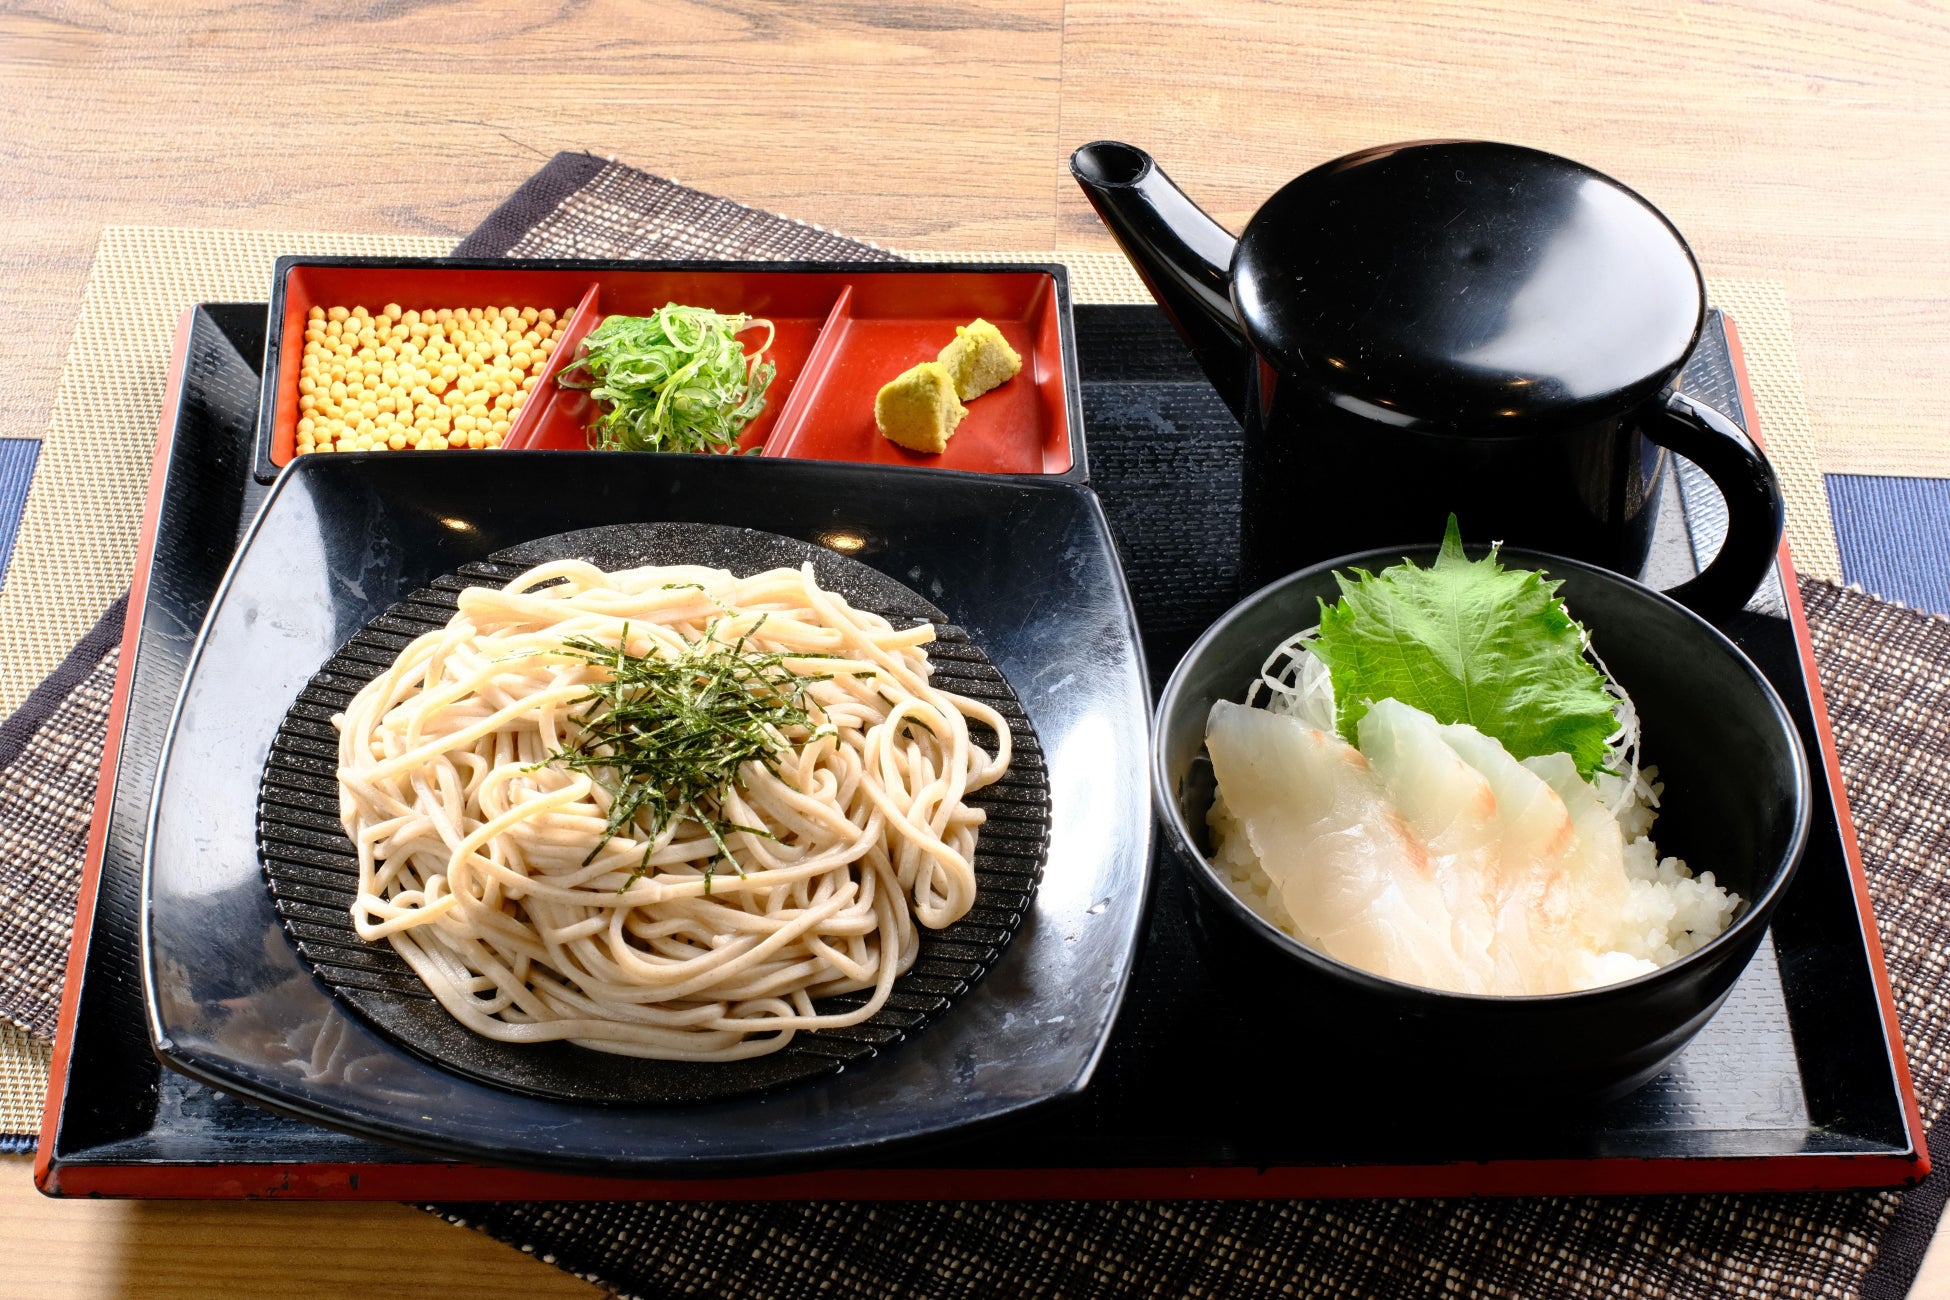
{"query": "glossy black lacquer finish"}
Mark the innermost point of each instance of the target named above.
(1447, 325)
(1735, 803)
(341, 539)
(1454, 286)
(313, 870)
(1181, 253)
(1795, 1069)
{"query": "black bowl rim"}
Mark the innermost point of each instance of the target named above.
(1757, 914)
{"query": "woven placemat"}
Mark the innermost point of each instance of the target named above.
(1760, 312)
(1892, 534)
(1859, 1243)
(77, 535)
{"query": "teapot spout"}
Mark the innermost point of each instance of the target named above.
(1183, 256)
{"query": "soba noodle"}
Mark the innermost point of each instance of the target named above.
(485, 864)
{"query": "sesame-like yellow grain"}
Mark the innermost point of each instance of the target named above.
(422, 378)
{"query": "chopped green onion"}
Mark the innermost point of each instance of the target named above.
(675, 380)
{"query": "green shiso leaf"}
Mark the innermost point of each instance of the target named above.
(675, 380)
(1468, 641)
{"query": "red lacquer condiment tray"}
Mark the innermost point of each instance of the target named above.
(841, 330)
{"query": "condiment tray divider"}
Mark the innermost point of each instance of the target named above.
(799, 306)
(792, 412)
(547, 393)
(888, 323)
(301, 284)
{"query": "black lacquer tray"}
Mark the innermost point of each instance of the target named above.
(1798, 1083)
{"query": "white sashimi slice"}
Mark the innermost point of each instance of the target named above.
(1355, 881)
(1432, 855)
(1599, 864)
(1599, 884)
(1449, 807)
(1537, 912)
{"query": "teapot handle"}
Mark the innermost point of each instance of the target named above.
(1756, 512)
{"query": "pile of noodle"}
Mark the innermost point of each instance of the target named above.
(475, 850)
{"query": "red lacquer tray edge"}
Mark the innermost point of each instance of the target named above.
(418, 1180)
(84, 921)
(1838, 790)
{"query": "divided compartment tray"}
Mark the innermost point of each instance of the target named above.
(841, 330)
(312, 869)
(1798, 1084)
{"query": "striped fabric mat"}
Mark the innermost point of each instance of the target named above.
(17, 459)
(1894, 537)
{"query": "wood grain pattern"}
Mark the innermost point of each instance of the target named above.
(184, 1250)
(1799, 139)
(391, 116)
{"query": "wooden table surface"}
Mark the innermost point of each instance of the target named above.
(1804, 141)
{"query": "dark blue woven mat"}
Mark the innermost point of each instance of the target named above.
(1894, 536)
(17, 457)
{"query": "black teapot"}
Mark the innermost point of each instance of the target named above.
(1447, 326)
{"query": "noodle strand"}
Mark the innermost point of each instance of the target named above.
(486, 866)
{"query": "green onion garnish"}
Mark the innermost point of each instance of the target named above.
(675, 380)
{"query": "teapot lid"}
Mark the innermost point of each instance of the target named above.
(1468, 287)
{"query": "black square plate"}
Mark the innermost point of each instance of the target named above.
(1027, 568)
